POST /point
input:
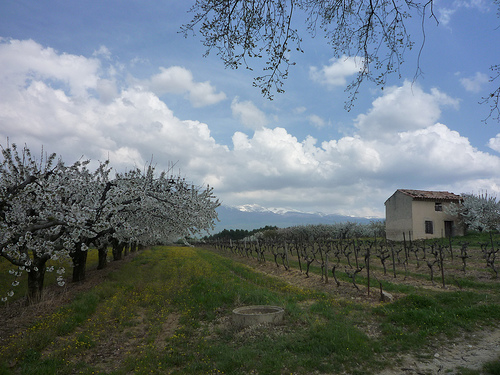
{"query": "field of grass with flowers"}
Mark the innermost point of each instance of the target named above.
(168, 311)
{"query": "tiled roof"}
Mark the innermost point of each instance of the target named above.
(434, 195)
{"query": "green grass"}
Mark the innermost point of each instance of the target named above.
(473, 237)
(168, 309)
(411, 321)
(489, 368)
(492, 368)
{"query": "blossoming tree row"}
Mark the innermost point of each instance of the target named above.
(53, 211)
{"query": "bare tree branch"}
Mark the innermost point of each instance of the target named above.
(493, 98)
(372, 31)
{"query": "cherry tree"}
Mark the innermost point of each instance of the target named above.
(33, 215)
(50, 211)
(141, 208)
(478, 212)
(162, 208)
(88, 192)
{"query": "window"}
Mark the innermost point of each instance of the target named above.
(429, 227)
(438, 206)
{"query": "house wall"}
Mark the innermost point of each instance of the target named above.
(398, 216)
(425, 211)
(405, 215)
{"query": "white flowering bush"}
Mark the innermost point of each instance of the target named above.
(50, 211)
(477, 212)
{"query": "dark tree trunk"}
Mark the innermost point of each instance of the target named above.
(79, 258)
(298, 257)
(36, 277)
(117, 250)
(103, 257)
(133, 247)
(334, 276)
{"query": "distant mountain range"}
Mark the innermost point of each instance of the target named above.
(250, 217)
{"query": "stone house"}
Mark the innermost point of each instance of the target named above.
(421, 214)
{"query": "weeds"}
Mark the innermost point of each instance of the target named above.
(168, 311)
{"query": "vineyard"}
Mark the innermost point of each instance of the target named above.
(373, 265)
(404, 278)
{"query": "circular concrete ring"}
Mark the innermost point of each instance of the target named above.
(260, 314)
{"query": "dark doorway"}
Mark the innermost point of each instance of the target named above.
(448, 229)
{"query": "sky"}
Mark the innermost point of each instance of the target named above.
(116, 80)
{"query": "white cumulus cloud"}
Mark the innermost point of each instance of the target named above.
(248, 114)
(494, 143)
(130, 129)
(178, 80)
(337, 72)
(401, 109)
(475, 83)
(398, 142)
(26, 61)
(446, 13)
(316, 121)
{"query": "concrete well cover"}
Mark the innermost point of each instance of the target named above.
(259, 314)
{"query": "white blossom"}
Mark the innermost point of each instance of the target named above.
(49, 210)
(478, 212)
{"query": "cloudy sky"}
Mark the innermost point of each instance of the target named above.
(115, 79)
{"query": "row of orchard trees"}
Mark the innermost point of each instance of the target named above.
(53, 211)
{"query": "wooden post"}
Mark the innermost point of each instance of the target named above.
(286, 256)
(326, 268)
(367, 261)
(451, 248)
(393, 261)
(441, 261)
(404, 243)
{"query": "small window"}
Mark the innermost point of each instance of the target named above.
(429, 227)
(438, 206)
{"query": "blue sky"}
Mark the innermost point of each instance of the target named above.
(116, 79)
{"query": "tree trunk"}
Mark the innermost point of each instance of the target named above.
(79, 264)
(103, 257)
(133, 247)
(35, 280)
(117, 250)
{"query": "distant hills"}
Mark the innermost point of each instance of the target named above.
(250, 217)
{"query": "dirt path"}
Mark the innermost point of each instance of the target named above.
(469, 352)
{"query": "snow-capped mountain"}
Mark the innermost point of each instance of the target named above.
(257, 208)
(252, 216)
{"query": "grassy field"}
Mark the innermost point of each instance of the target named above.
(167, 311)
